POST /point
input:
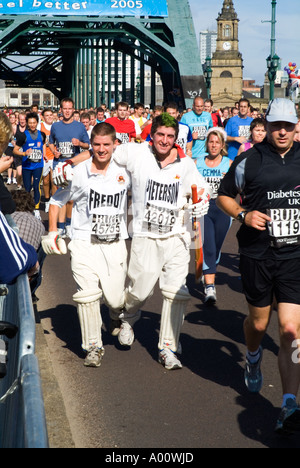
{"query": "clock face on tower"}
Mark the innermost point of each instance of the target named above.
(226, 46)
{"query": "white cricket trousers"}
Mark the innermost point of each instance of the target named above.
(166, 260)
(101, 266)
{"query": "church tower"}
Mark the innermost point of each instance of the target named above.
(227, 62)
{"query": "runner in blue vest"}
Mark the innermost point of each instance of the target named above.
(31, 146)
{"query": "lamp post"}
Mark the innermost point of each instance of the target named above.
(272, 64)
(208, 75)
(273, 59)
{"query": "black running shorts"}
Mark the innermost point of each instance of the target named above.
(264, 279)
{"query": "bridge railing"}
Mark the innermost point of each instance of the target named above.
(22, 413)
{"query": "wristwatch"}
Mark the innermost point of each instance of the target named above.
(241, 216)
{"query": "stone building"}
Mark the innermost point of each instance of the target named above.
(227, 62)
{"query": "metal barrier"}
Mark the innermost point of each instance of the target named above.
(22, 414)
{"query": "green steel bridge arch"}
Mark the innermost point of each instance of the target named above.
(67, 55)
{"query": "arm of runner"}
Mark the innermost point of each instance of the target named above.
(17, 151)
(44, 146)
(241, 149)
(121, 155)
(237, 139)
(53, 141)
(63, 172)
(81, 144)
(54, 150)
(189, 147)
(254, 219)
(52, 243)
(83, 156)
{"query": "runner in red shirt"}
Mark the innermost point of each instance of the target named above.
(125, 128)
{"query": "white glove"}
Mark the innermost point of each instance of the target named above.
(197, 210)
(63, 174)
(54, 244)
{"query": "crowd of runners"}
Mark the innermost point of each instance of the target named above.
(82, 169)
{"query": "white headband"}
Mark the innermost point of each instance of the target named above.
(219, 130)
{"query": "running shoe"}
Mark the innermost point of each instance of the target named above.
(289, 418)
(37, 214)
(210, 294)
(253, 376)
(14, 181)
(68, 231)
(126, 334)
(8, 182)
(169, 360)
(94, 357)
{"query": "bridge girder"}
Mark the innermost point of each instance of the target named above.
(50, 46)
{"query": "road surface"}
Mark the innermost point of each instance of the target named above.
(131, 401)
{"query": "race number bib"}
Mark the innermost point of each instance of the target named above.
(214, 183)
(35, 155)
(66, 148)
(244, 131)
(161, 201)
(158, 220)
(106, 227)
(201, 130)
(106, 210)
(284, 230)
(123, 137)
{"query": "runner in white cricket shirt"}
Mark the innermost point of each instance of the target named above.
(162, 176)
(98, 232)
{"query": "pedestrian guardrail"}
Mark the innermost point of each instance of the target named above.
(22, 414)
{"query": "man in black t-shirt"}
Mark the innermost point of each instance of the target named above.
(267, 179)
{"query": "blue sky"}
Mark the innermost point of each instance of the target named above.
(255, 36)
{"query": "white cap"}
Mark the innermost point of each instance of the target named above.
(282, 110)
